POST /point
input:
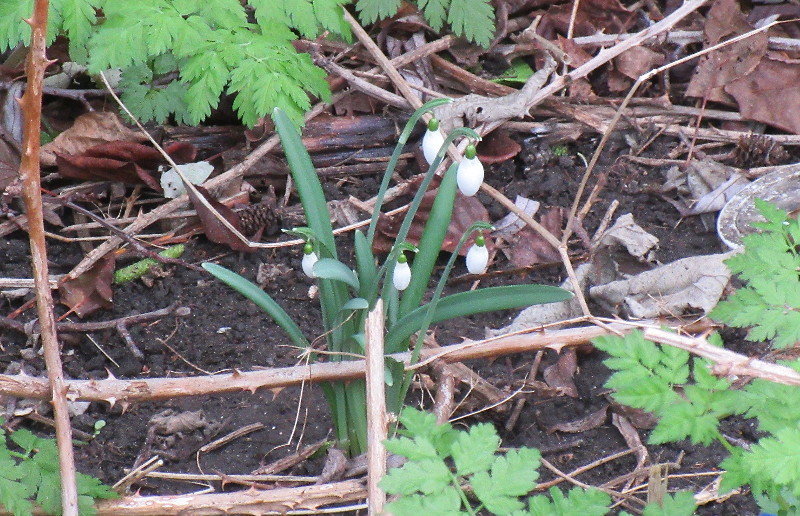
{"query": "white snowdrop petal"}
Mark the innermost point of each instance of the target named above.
(431, 143)
(477, 258)
(308, 264)
(469, 176)
(402, 276)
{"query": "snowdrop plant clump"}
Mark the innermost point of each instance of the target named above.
(347, 295)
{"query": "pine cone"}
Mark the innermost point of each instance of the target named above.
(263, 215)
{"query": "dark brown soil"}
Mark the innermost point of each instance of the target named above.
(225, 332)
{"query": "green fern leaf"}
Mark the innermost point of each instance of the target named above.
(435, 12)
(370, 11)
(330, 14)
(473, 19)
(12, 29)
(78, 18)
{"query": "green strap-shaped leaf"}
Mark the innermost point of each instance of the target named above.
(332, 294)
(357, 303)
(263, 300)
(474, 302)
(331, 269)
(430, 245)
(365, 263)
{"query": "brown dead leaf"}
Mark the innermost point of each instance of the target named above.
(9, 162)
(560, 375)
(631, 437)
(122, 161)
(637, 61)
(770, 94)
(89, 130)
(729, 63)
(466, 211)
(528, 248)
(593, 420)
(593, 16)
(638, 418)
(497, 147)
(214, 229)
(91, 290)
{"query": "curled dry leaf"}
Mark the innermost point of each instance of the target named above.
(528, 248)
(592, 16)
(91, 290)
(89, 130)
(560, 375)
(497, 147)
(593, 420)
(122, 161)
(214, 229)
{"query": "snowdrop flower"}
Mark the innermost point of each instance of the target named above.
(309, 259)
(432, 141)
(402, 273)
(470, 172)
(477, 256)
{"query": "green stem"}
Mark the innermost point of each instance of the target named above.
(463, 495)
(437, 294)
(401, 142)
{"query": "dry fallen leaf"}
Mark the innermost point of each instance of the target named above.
(466, 211)
(528, 247)
(731, 62)
(89, 130)
(91, 290)
(593, 420)
(561, 374)
(122, 161)
(214, 229)
(770, 94)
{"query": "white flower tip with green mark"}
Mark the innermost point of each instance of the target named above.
(469, 175)
(402, 275)
(309, 259)
(477, 257)
(431, 143)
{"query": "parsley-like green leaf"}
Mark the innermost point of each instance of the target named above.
(512, 476)
(769, 303)
(13, 29)
(590, 502)
(427, 476)
(680, 504)
(446, 503)
(474, 450)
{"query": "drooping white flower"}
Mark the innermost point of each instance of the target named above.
(402, 273)
(469, 175)
(478, 256)
(309, 259)
(432, 141)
